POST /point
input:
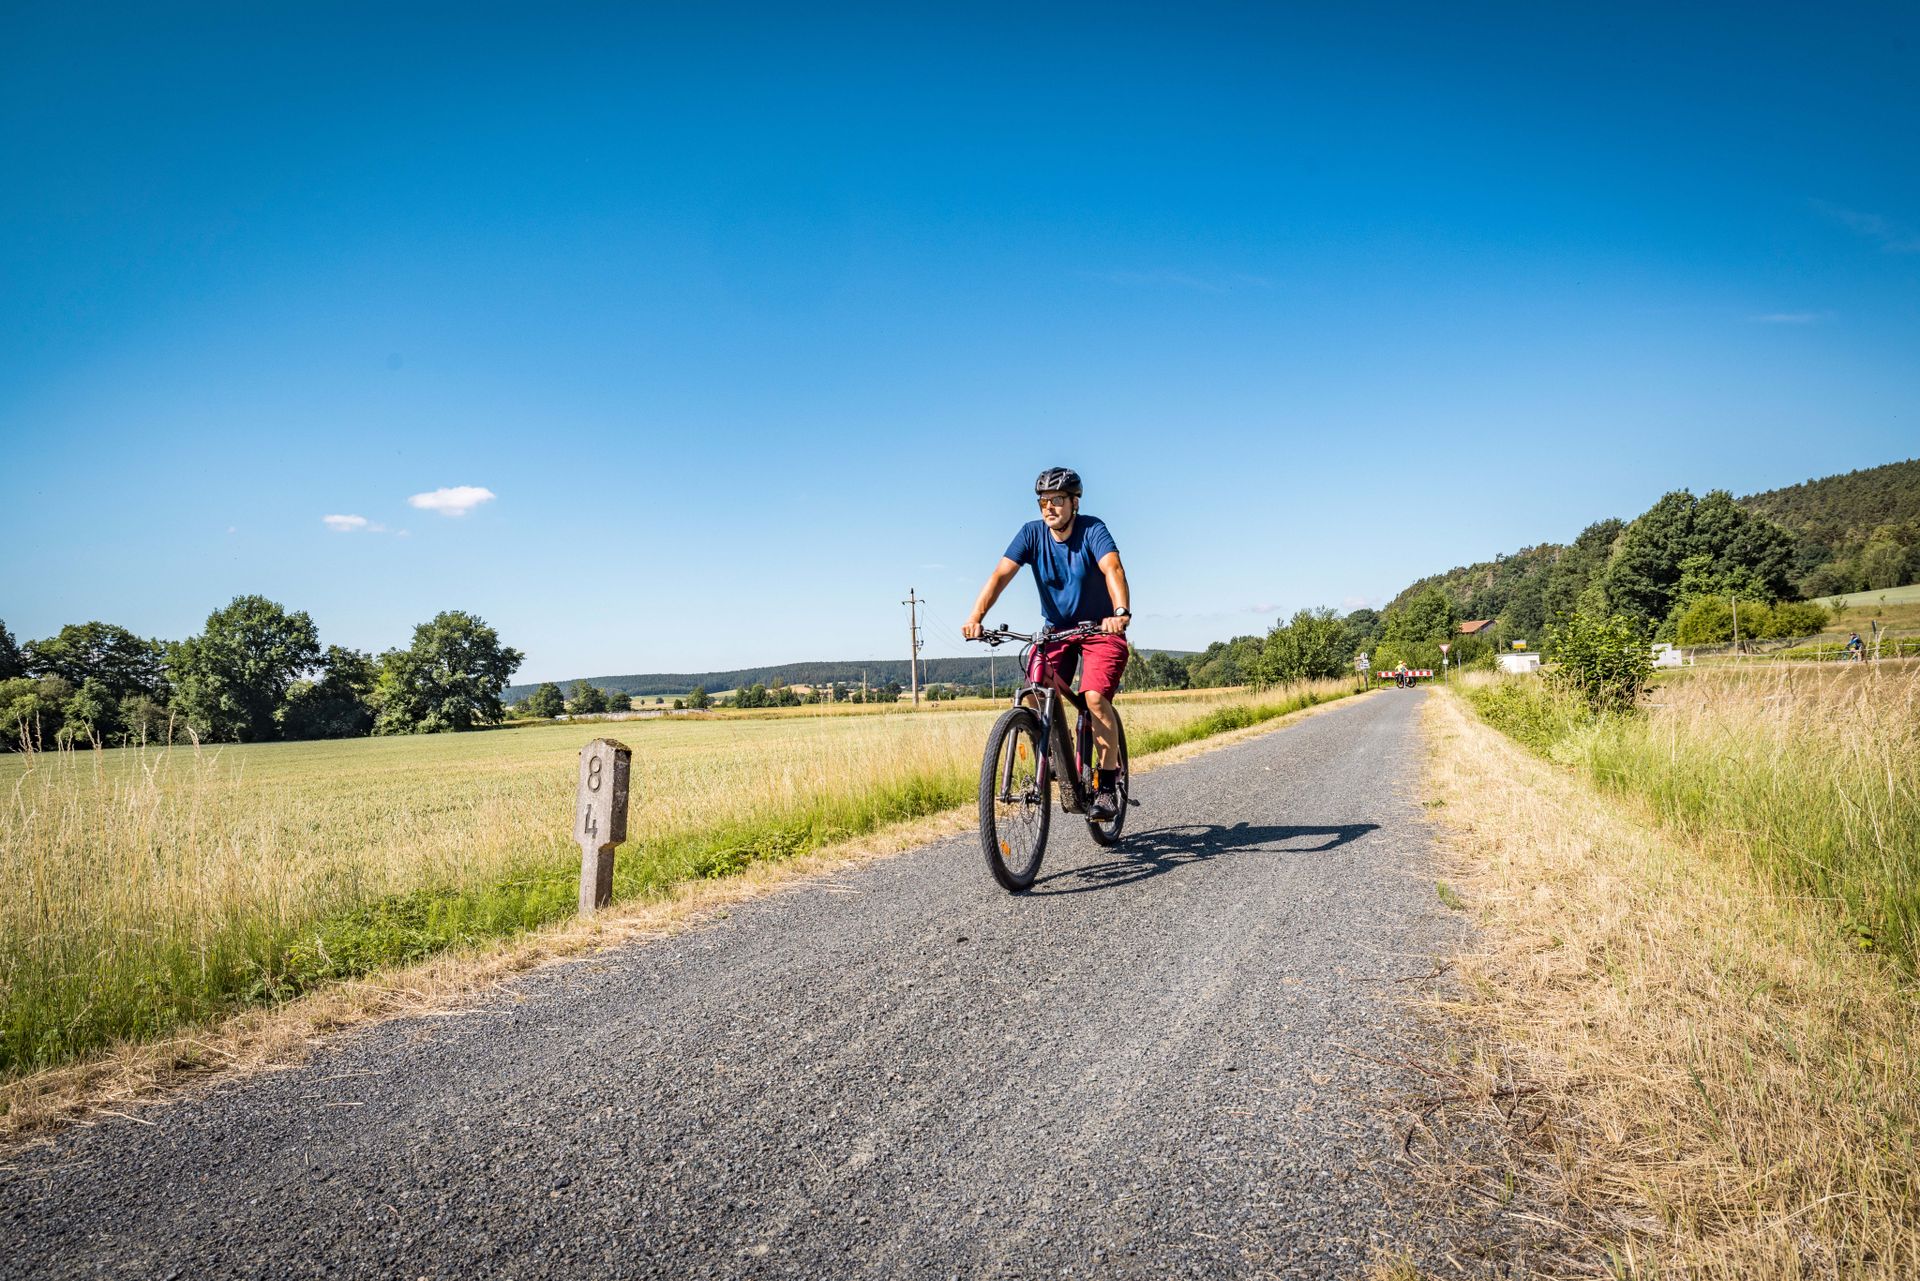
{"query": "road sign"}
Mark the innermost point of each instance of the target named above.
(600, 817)
(1444, 647)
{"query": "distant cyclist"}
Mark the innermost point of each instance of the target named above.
(1856, 648)
(1077, 568)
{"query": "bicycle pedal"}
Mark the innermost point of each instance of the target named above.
(1131, 801)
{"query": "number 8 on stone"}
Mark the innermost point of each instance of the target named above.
(600, 817)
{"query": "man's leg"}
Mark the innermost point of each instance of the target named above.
(1106, 727)
(1103, 662)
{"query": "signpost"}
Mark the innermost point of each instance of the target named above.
(1444, 647)
(600, 817)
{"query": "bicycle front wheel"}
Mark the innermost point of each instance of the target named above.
(1013, 800)
(1108, 833)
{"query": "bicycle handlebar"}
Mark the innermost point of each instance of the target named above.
(1002, 634)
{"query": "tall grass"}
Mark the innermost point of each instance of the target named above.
(144, 891)
(1696, 1078)
(1813, 774)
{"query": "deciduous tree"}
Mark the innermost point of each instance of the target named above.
(1430, 616)
(232, 679)
(339, 704)
(450, 678)
(119, 661)
(10, 663)
(547, 700)
(1311, 645)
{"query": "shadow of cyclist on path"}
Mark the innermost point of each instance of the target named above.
(1164, 849)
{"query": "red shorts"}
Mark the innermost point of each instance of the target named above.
(1101, 659)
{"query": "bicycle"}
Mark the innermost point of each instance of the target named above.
(1018, 768)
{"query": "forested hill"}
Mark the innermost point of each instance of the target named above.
(971, 670)
(1821, 537)
(1853, 532)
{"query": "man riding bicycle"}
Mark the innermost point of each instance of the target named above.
(1077, 569)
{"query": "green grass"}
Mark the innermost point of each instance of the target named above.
(1908, 595)
(142, 893)
(1810, 773)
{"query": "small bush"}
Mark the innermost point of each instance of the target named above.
(1606, 662)
(1797, 618)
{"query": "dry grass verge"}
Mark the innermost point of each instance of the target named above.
(1716, 1086)
(133, 1074)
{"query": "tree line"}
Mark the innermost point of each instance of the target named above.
(548, 700)
(1678, 572)
(255, 673)
(1673, 573)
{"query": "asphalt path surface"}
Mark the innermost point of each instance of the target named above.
(1163, 1061)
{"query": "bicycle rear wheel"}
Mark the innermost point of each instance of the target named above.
(1108, 833)
(1013, 800)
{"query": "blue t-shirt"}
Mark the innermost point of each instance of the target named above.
(1072, 587)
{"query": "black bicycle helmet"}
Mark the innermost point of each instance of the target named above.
(1058, 480)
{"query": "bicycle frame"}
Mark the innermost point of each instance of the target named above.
(1044, 699)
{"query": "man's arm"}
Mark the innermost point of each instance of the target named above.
(1117, 589)
(997, 581)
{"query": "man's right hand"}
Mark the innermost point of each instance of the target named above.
(971, 629)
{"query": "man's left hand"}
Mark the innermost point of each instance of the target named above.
(1115, 626)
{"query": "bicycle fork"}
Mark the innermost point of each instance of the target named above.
(1040, 771)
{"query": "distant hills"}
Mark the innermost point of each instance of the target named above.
(971, 670)
(1843, 533)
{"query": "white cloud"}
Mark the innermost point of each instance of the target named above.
(1892, 237)
(1790, 317)
(455, 501)
(355, 525)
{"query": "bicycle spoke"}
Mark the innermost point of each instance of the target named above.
(1013, 800)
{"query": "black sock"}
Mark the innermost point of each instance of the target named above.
(1108, 776)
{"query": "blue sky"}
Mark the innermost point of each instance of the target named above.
(750, 319)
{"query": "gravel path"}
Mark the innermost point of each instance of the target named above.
(1146, 1067)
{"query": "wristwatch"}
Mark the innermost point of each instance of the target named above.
(1123, 612)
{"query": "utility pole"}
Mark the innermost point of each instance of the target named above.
(912, 602)
(863, 687)
(1736, 626)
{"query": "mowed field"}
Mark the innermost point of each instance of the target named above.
(1865, 602)
(1895, 610)
(145, 891)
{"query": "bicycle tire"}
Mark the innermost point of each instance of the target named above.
(1108, 833)
(1013, 833)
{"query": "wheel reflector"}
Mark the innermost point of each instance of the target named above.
(1004, 851)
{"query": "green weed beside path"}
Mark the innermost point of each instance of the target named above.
(1812, 774)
